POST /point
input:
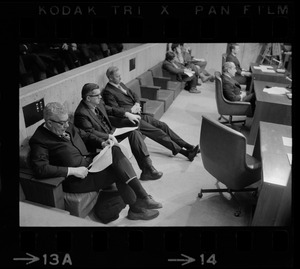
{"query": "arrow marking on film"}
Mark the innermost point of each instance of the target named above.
(31, 259)
(188, 260)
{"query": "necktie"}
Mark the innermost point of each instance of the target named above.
(120, 87)
(103, 120)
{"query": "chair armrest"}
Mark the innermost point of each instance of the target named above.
(143, 102)
(161, 82)
(44, 191)
(238, 108)
(149, 92)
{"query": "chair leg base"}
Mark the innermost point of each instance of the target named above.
(238, 212)
(230, 121)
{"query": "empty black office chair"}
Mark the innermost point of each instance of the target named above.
(223, 152)
(229, 108)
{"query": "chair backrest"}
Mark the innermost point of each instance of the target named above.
(146, 79)
(223, 152)
(224, 55)
(134, 85)
(167, 74)
(157, 70)
(222, 104)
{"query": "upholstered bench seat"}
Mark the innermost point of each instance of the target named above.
(49, 191)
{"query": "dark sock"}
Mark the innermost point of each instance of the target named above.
(137, 187)
(189, 146)
(184, 152)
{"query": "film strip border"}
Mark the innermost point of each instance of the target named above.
(153, 247)
(190, 21)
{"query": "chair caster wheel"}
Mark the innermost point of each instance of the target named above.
(200, 194)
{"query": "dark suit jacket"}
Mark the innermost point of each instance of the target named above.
(86, 119)
(231, 88)
(51, 155)
(117, 99)
(179, 72)
(231, 58)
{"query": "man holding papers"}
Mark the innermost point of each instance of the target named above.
(232, 89)
(182, 73)
(91, 115)
(58, 150)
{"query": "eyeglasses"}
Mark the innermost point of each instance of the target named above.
(61, 123)
(95, 95)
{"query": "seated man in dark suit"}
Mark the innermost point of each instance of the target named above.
(242, 76)
(118, 96)
(58, 150)
(180, 72)
(91, 116)
(232, 89)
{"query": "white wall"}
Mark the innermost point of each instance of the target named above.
(66, 87)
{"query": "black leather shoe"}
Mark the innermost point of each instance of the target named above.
(143, 214)
(193, 153)
(150, 174)
(148, 203)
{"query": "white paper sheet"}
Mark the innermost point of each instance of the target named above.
(289, 155)
(101, 160)
(268, 71)
(287, 141)
(276, 90)
(189, 73)
(124, 130)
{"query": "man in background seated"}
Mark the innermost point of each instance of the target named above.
(58, 150)
(199, 63)
(91, 116)
(117, 95)
(242, 76)
(232, 89)
(170, 65)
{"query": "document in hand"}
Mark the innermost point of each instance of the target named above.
(189, 73)
(102, 160)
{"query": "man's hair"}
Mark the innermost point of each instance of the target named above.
(174, 46)
(226, 66)
(87, 89)
(111, 70)
(54, 108)
(170, 55)
(232, 46)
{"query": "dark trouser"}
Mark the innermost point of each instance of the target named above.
(136, 141)
(243, 81)
(250, 98)
(120, 171)
(137, 145)
(190, 81)
(161, 133)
